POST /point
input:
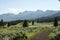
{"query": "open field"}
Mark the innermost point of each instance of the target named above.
(9, 33)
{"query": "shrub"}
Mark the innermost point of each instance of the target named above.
(57, 37)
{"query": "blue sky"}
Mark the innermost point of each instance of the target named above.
(16, 6)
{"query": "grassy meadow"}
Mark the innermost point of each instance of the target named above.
(13, 31)
(8, 33)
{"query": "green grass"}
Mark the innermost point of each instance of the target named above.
(55, 31)
(30, 31)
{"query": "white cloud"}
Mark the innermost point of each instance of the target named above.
(14, 10)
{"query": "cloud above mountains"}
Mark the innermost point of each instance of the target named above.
(14, 10)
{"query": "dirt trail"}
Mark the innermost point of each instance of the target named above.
(42, 36)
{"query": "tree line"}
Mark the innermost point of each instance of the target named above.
(25, 22)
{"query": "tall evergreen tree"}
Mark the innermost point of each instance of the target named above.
(55, 22)
(25, 23)
(8, 24)
(1, 22)
(32, 22)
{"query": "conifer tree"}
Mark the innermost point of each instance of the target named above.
(32, 22)
(55, 22)
(25, 23)
(1, 22)
(8, 24)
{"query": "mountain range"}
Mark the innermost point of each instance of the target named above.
(30, 15)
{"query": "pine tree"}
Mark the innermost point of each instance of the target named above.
(25, 23)
(8, 24)
(55, 22)
(32, 22)
(1, 22)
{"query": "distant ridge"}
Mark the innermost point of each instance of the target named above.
(30, 15)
